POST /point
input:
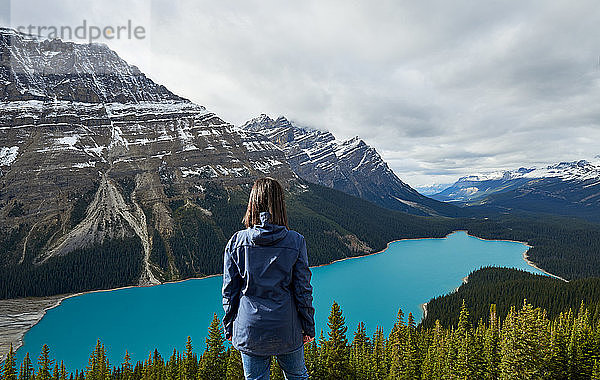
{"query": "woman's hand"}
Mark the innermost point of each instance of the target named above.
(307, 339)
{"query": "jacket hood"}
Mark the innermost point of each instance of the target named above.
(266, 233)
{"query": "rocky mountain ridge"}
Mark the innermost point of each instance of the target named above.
(41, 69)
(350, 166)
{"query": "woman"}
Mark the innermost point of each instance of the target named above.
(267, 294)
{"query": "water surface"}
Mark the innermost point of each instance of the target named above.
(369, 289)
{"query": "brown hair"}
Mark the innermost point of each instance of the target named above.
(266, 195)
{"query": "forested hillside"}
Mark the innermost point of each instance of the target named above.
(507, 288)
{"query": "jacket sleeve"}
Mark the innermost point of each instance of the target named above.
(303, 291)
(232, 284)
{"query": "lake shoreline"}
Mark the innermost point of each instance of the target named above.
(40, 313)
(526, 258)
(17, 316)
(17, 342)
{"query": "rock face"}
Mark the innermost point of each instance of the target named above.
(31, 69)
(566, 188)
(91, 150)
(351, 166)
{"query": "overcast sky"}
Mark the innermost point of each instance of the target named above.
(440, 88)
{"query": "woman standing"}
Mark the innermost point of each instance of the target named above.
(267, 294)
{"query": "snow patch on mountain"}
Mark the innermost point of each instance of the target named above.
(582, 174)
(44, 69)
(567, 171)
(8, 155)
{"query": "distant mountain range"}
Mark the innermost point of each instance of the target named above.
(435, 188)
(350, 166)
(566, 188)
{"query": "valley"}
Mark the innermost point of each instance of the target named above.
(405, 274)
(109, 180)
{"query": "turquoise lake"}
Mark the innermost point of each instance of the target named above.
(370, 289)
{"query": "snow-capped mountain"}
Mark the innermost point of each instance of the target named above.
(351, 166)
(36, 69)
(435, 188)
(91, 150)
(569, 188)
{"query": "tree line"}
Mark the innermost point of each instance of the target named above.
(523, 345)
(508, 287)
(110, 264)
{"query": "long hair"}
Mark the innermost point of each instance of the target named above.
(266, 195)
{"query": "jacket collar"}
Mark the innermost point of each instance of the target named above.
(267, 233)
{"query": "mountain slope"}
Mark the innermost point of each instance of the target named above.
(351, 166)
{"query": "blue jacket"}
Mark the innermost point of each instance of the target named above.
(267, 295)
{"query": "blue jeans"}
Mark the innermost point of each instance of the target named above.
(292, 364)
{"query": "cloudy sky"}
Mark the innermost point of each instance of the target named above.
(439, 88)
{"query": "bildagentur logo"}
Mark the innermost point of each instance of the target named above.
(87, 32)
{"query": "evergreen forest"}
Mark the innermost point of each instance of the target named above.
(526, 344)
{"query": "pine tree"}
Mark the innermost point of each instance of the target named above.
(320, 358)
(491, 354)
(596, 370)
(336, 347)
(158, 366)
(395, 352)
(464, 366)
(235, 368)
(435, 358)
(311, 359)
(275, 372)
(190, 363)
(9, 372)
(26, 372)
(560, 332)
(63, 371)
(413, 362)
(379, 363)
(213, 364)
(98, 367)
(127, 368)
(44, 364)
(524, 344)
(360, 355)
(55, 372)
(172, 367)
(581, 346)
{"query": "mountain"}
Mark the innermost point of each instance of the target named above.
(477, 186)
(92, 151)
(108, 179)
(350, 166)
(34, 69)
(566, 188)
(435, 188)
